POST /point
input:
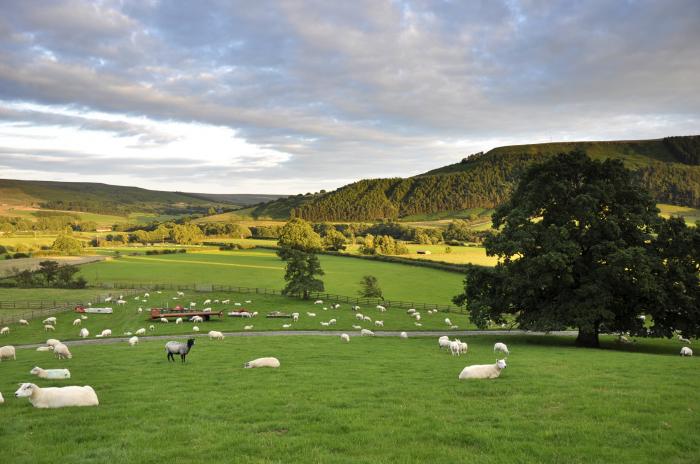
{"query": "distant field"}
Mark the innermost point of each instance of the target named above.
(31, 215)
(457, 255)
(262, 268)
(690, 214)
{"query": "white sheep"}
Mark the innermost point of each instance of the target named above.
(83, 317)
(684, 340)
(366, 333)
(286, 326)
(355, 308)
(685, 351)
(215, 334)
(318, 302)
(236, 304)
(336, 306)
(141, 331)
(50, 374)
(133, 340)
(249, 301)
(403, 335)
(345, 337)
(52, 342)
(206, 310)
(4, 331)
(454, 327)
(128, 334)
(216, 301)
(325, 324)
(359, 316)
(197, 319)
(54, 397)
(192, 304)
(147, 295)
(448, 321)
(379, 323)
(151, 327)
(77, 322)
(23, 322)
(121, 302)
(332, 322)
(48, 327)
(262, 362)
(180, 293)
(49, 320)
(255, 313)
(7, 352)
(195, 329)
(311, 314)
(501, 347)
(247, 327)
(368, 319)
(137, 298)
(418, 324)
(140, 310)
(357, 327)
(463, 347)
(106, 333)
(295, 317)
(455, 348)
(164, 320)
(2, 400)
(381, 308)
(62, 352)
(178, 320)
(417, 316)
(444, 341)
(206, 302)
(225, 301)
(84, 333)
(483, 371)
(44, 348)
(411, 311)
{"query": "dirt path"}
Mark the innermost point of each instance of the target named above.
(319, 333)
(8, 266)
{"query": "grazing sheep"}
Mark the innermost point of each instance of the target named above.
(137, 298)
(54, 397)
(180, 293)
(178, 320)
(225, 301)
(463, 347)
(311, 314)
(444, 341)
(411, 311)
(359, 316)
(501, 347)
(318, 302)
(215, 334)
(195, 329)
(49, 320)
(44, 348)
(345, 337)
(455, 348)
(448, 321)
(381, 308)
(685, 351)
(7, 352)
(379, 323)
(48, 327)
(84, 333)
(403, 335)
(147, 295)
(151, 327)
(108, 299)
(23, 322)
(417, 316)
(366, 332)
(121, 302)
(483, 371)
(141, 331)
(192, 304)
(163, 320)
(249, 301)
(140, 310)
(206, 302)
(286, 326)
(295, 317)
(262, 362)
(336, 306)
(247, 327)
(62, 352)
(255, 313)
(52, 342)
(128, 334)
(50, 374)
(173, 348)
(197, 319)
(684, 340)
(83, 317)
(77, 322)
(368, 319)
(332, 322)
(4, 331)
(133, 340)
(206, 310)
(106, 333)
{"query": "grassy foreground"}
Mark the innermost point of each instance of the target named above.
(374, 400)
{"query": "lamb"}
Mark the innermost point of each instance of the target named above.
(286, 326)
(164, 320)
(215, 334)
(262, 362)
(182, 349)
(483, 371)
(448, 321)
(77, 322)
(359, 316)
(501, 347)
(44, 348)
(463, 347)
(247, 327)
(180, 293)
(197, 319)
(4, 331)
(51, 374)
(366, 332)
(311, 314)
(456, 348)
(83, 317)
(133, 340)
(141, 331)
(7, 352)
(178, 320)
(54, 397)
(106, 333)
(684, 340)
(356, 327)
(411, 311)
(318, 302)
(48, 327)
(368, 319)
(379, 323)
(84, 333)
(403, 335)
(23, 322)
(195, 329)
(61, 351)
(685, 351)
(49, 320)
(345, 338)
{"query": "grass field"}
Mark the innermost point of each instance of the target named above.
(262, 268)
(690, 214)
(373, 400)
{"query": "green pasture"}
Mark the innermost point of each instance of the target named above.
(373, 400)
(689, 214)
(262, 268)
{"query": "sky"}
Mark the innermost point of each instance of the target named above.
(286, 97)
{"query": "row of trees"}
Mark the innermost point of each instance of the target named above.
(50, 274)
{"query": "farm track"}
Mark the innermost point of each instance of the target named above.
(321, 333)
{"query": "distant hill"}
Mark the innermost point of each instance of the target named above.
(669, 168)
(239, 199)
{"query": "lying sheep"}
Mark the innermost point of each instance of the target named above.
(249, 301)
(4, 331)
(411, 311)
(54, 397)
(483, 371)
(366, 332)
(61, 351)
(345, 337)
(84, 333)
(311, 314)
(318, 302)
(325, 324)
(286, 326)
(195, 329)
(50, 374)
(7, 352)
(418, 324)
(403, 335)
(501, 347)
(44, 348)
(23, 322)
(685, 351)
(248, 327)
(356, 327)
(48, 327)
(141, 331)
(215, 334)
(262, 362)
(133, 340)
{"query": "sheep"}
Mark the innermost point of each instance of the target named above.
(448, 321)
(147, 295)
(418, 324)
(4, 331)
(332, 322)
(52, 342)
(318, 302)
(55, 397)
(262, 362)
(178, 320)
(84, 333)
(151, 327)
(215, 334)
(255, 313)
(83, 317)
(444, 342)
(77, 322)
(128, 334)
(49, 320)
(62, 352)
(454, 327)
(2, 400)
(44, 348)
(359, 316)
(286, 326)
(121, 302)
(106, 333)
(410, 311)
(483, 371)
(195, 329)
(685, 351)
(137, 298)
(463, 347)
(355, 308)
(366, 332)
(248, 301)
(379, 323)
(50, 374)
(381, 308)
(368, 319)
(236, 304)
(325, 324)
(325, 309)
(403, 335)
(48, 327)
(345, 337)
(417, 316)
(133, 340)
(623, 339)
(192, 304)
(247, 327)
(225, 301)
(172, 348)
(311, 314)
(206, 310)
(7, 352)
(108, 299)
(197, 319)
(501, 347)
(295, 317)
(140, 310)
(455, 348)
(206, 302)
(356, 327)
(141, 331)
(642, 317)
(23, 322)
(684, 340)
(180, 293)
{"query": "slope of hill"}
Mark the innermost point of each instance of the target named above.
(239, 199)
(669, 168)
